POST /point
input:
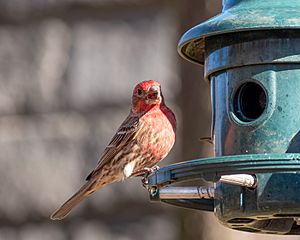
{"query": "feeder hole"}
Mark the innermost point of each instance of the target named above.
(249, 101)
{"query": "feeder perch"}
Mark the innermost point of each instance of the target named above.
(251, 57)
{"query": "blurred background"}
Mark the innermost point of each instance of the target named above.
(67, 70)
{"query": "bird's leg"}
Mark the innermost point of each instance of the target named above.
(145, 172)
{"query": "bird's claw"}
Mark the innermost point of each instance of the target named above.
(145, 172)
(145, 182)
(153, 169)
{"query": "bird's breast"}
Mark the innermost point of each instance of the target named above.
(157, 136)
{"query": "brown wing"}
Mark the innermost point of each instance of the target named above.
(126, 132)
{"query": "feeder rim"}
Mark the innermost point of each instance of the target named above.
(213, 168)
(185, 40)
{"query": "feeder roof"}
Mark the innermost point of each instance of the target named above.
(238, 16)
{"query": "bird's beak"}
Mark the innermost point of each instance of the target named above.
(153, 97)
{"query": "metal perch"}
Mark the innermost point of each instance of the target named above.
(196, 192)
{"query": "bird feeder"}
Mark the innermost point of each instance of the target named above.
(251, 57)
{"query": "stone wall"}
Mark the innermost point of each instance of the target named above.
(67, 69)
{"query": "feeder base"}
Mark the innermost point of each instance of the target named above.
(272, 206)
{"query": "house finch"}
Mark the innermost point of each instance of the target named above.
(144, 138)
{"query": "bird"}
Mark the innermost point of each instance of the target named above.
(144, 138)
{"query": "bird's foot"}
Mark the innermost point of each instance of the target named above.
(145, 172)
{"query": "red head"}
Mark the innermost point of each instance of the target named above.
(146, 95)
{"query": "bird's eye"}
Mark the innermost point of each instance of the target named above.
(139, 92)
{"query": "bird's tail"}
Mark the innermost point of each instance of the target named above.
(66, 208)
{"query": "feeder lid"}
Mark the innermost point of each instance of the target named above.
(238, 16)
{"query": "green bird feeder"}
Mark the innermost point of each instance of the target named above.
(251, 57)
